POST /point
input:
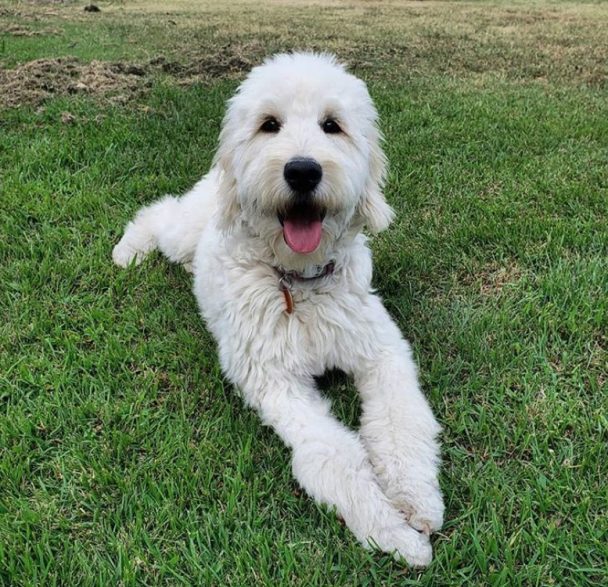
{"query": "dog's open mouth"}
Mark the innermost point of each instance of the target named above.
(302, 227)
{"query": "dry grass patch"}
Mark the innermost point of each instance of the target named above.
(490, 280)
(564, 42)
(493, 279)
(16, 30)
(34, 82)
(389, 41)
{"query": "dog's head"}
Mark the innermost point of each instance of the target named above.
(301, 158)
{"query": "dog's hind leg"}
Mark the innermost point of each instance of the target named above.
(172, 224)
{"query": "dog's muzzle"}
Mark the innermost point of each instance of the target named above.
(302, 219)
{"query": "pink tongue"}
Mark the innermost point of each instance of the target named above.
(302, 236)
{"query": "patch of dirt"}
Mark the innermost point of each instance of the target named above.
(230, 60)
(16, 30)
(34, 82)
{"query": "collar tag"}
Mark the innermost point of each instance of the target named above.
(286, 279)
(284, 284)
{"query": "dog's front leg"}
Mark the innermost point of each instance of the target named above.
(397, 425)
(330, 462)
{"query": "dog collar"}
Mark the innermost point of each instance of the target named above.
(287, 278)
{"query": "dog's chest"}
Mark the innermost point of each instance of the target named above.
(318, 328)
(255, 320)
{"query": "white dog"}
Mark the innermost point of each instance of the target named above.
(282, 274)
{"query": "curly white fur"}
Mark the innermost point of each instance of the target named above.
(382, 480)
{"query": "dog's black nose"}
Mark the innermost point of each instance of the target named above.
(303, 175)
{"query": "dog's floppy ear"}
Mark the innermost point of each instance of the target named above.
(228, 203)
(373, 208)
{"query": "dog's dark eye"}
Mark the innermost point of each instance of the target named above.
(271, 125)
(331, 127)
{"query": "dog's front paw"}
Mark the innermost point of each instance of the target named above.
(405, 543)
(409, 480)
(123, 254)
(422, 505)
(134, 245)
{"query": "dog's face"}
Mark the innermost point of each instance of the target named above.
(301, 158)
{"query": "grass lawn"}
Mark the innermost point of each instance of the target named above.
(126, 458)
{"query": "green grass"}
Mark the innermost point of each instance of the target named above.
(126, 458)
